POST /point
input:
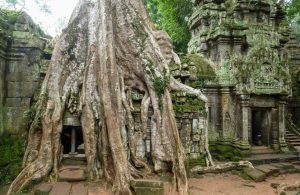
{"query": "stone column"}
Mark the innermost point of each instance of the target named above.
(244, 144)
(2, 70)
(73, 141)
(274, 123)
(281, 124)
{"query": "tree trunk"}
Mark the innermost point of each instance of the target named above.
(109, 48)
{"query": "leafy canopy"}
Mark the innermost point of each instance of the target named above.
(21, 5)
(171, 16)
(292, 9)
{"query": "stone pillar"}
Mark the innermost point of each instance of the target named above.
(274, 123)
(281, 124)
(2, 70)
(73, 141)
(244, 142)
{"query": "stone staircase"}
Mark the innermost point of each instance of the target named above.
(73, 167)
(264, 155)
(261, 172)
(292, 139)
(292, 135)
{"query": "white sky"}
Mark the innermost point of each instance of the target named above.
(61, 11)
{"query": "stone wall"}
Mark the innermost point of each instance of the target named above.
(252, 53)
(294, 61)
(21, 68)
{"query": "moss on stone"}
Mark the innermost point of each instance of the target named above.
(204, 69)
(11, 154)
(226, 153)
(191, 163)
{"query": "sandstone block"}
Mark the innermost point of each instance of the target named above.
(43, 189)
(255, 174)
(71, 174)
(79, 189)
(61, 188)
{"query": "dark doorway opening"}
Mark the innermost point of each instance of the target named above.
(71, 138)
(261, 127)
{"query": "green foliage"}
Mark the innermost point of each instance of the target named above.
(21, 5)
(226, 153)
(292, 9)
(191, 104)
(159, 86)
(11, 153)
(10, 15)
(170, 15)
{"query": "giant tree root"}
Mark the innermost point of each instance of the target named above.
(282, 188)
(109, 49)
(221, 167)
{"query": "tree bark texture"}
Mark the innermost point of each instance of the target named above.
(109, 48)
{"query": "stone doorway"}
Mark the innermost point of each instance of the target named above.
(71, 139)
(261, 127)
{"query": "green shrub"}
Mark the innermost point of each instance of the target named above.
(11, 154)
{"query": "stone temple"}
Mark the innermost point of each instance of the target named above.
(241, 54)
(253, 55)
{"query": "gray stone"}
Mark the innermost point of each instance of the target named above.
(21, 89)
(148, 191)
(18, 102)
(147, 187)
(267, 169)
(14, 119)
(283, 165)
(23, 76)
(146, 183)
(80, 149)
(255, 174)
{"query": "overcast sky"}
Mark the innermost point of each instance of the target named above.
(61, 11)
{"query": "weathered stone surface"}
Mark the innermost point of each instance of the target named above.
(147, 187)
(283, 165)
(255, 174)
(14, 119)
(148, 191)
(18, 102)
(21, 89)
(23, 76)
(61, 188)
(267, 169)
(98, 191)
(71, 174)
(79, 189)
(146, 183)
(21, 53)
(43, 189)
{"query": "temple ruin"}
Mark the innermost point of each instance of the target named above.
(251, 52)
(240, 53)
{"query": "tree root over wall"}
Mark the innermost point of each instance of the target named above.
(109, 49)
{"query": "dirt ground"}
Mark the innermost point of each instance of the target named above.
(228, 184)
(217, 184)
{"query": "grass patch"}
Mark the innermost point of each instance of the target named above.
(11, 156)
